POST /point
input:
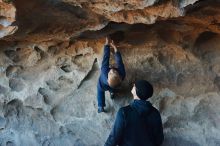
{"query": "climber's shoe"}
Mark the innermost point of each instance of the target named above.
(112, 95)
(101, 109)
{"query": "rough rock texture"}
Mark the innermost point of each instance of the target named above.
(7, 17)
(50, 57)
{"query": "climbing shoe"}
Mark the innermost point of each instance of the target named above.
(112, 95)
(101, 109)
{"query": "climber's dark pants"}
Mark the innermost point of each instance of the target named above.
(101, 96)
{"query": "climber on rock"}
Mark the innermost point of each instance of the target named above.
(138, 124)
(110, 77)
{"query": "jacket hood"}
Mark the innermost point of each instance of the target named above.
(141, 106)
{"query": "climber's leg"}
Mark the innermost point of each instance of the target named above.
(101, 99)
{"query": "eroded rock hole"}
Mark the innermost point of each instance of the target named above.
(16, 84)
(46, 95)
(11, 54)
(66, 68)
(13, 71)
(13, 108)
(41, 52)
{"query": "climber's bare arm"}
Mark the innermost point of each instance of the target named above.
(114, 46)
